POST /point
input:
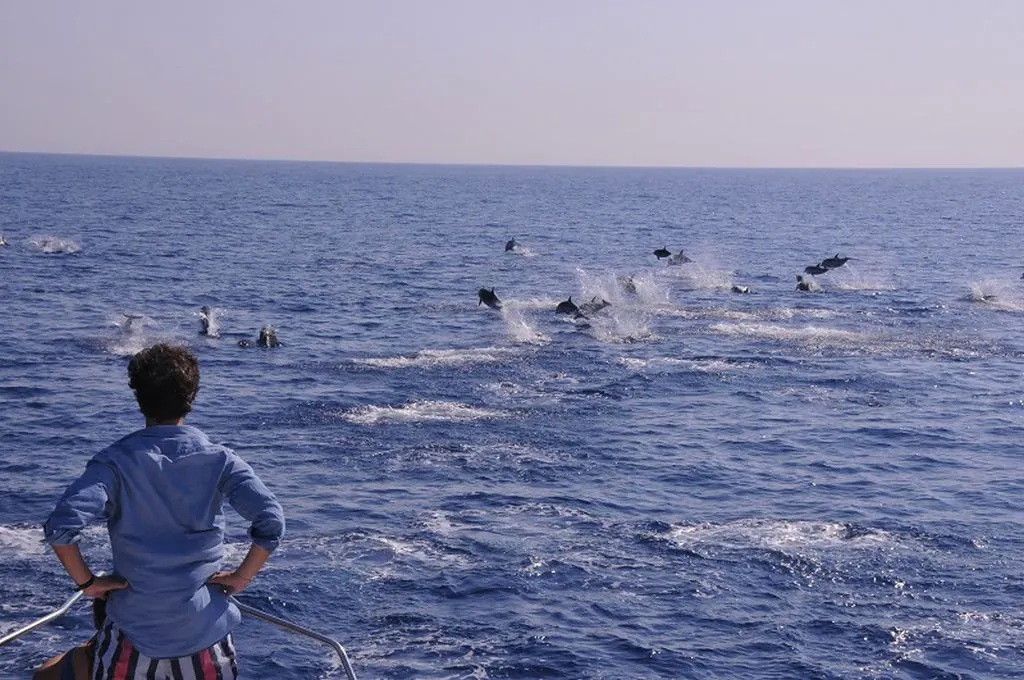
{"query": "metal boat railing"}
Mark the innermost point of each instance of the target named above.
(244, 608)
(55, 614)
(294, 627)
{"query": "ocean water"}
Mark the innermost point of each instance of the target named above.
(689, 483)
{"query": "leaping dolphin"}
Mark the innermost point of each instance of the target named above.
(801, 284)
(679, 258)
(662, 252)
(487, 297)
(815, 269)
(593, 306)
(510, 245)
(834, 262)
(567, 307)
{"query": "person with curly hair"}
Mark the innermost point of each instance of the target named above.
(161, 491)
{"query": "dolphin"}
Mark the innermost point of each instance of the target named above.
(833, 262)
(3, 241)
(741, 289)
(662, 252)
(593, 306)
(567, 307)
(801, 284)
(487, 297)
(679, 258)
(815, 269)
(268, 337)
(510, 245)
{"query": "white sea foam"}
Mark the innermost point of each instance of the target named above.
(809, 334)
(636, 364)
(376, 555)
(698, 365)
(442, 357)
(776, 534)
(419, 411)
(26, 542)
(718, 365)
(22, 542)
(53, 245)
(774, 313)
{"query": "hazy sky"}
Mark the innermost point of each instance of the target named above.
(782, 83)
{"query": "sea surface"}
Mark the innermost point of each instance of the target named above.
(689, 483)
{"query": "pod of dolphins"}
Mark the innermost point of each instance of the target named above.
(568, 307)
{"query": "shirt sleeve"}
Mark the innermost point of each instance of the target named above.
(87, 500)
(253, 500)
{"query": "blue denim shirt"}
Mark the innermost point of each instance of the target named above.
(161, 491)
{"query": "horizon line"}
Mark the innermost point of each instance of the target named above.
(509, 165)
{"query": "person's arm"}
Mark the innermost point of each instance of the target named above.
(236, 581)
(90, 585)
(86, 500)
(252, 500)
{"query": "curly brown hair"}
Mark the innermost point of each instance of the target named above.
(165, 380)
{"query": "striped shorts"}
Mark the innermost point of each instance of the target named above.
(118, 659)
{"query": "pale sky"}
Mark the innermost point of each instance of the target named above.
(762, 83)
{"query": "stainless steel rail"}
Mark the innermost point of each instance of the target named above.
(244, 608)
(56, 614)
(277, 621)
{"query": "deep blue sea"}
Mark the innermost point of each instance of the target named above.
(689, 483)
